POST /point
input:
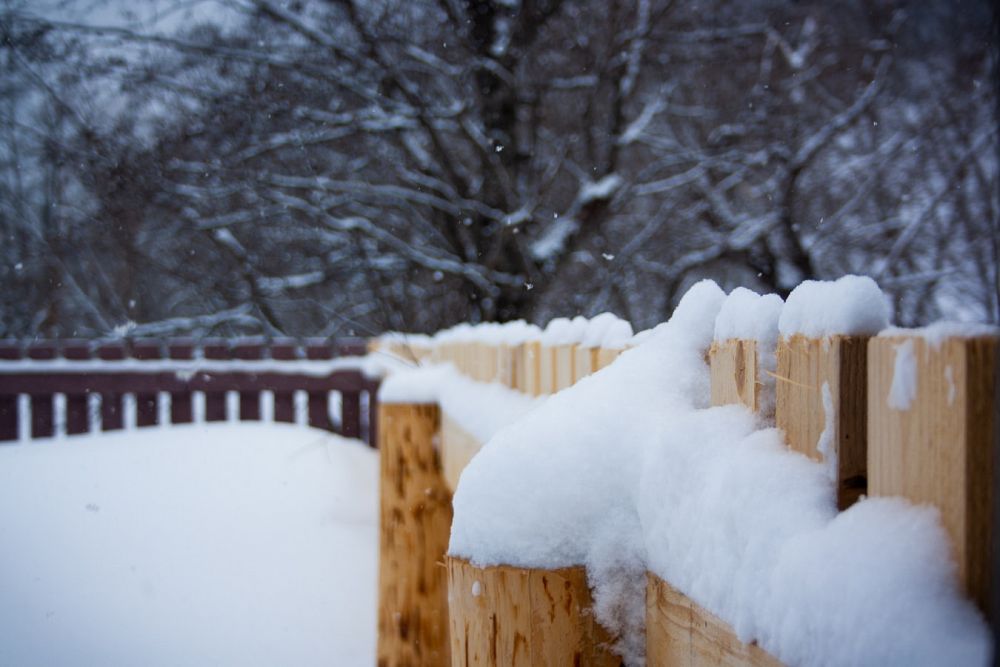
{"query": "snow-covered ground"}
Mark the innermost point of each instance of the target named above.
(220, 544)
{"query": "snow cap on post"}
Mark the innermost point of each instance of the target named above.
(850, 306)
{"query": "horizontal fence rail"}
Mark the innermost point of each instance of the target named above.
(52, 388)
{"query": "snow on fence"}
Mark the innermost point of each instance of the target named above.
(539, 545)
(55, 388)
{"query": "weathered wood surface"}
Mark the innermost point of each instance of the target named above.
(734, 372)
(680, 633)
(458, 447)
(940, 449)
(805, 366)
(415, 523)
(514, 617)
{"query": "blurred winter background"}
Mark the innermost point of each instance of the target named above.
(311, 167)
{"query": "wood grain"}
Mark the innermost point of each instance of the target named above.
(415, 522)
(940, 449)
(680, 633)
(734, 373)
(804, 366)
(506, 616)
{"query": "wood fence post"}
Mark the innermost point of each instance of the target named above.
(563, 358)
(735, 373)
(584, 362)
(932, 439)
(515, 617)
(821, 405)
(681, 633)
(530, 359)
(415, 523)
(606, 356)
(546, 370)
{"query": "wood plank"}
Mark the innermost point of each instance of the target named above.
(546, 370)
(606, 356)
(735, 373)
(584, 362)
(680, 633)
(457, 449)
(415, 522)
(805, 366)
(939, 449)
(530, 358)
(563, 357)
(506, 367)
(508, 616)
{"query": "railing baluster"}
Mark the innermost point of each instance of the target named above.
(41, 416)
(181, 406)
(350, 414)
(249, 400)
(103, 397)
(319, 414)
(112, 418)
(147, 408)
(77, 408)
(9, 350)
(215, 401)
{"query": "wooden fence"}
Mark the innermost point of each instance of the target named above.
(69, 387)
(937, 447)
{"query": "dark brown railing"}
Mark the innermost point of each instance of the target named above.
(54, 387)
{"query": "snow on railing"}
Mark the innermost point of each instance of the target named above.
(634, 493)
(57, 388)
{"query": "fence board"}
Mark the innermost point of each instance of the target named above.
(734, 371)
(415, 521)
(805, 366)
(680, 633)
(507, 615)
(938, 447)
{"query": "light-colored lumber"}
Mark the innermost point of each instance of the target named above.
(606, 356)
(530, 375)
(839, 363)
(415, 523)
(584, 362)
(546, 370)
(458, 447)
(564, 357)
(507, 366)
(939, 449)
(735, 373)
(680, 633)
(514, 617)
